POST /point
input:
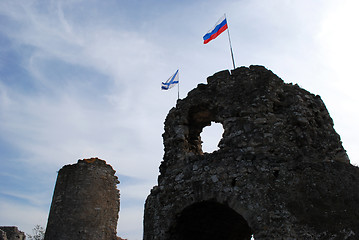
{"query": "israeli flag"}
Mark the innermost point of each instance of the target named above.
(173, 80)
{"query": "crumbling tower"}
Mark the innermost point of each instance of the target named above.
(11, 233)
(281, 171)
(85, 203)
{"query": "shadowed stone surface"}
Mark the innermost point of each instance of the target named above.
(2, 235)
(281, 171)
(85, 203)
(11, 233)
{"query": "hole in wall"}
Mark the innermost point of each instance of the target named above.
(211, 136)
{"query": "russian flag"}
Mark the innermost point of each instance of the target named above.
(220, 27)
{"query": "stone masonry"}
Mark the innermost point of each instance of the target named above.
(281, 171)
(11, 233)
(3, 235)
(85, 203)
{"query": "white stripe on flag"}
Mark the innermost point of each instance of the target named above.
(173, 80)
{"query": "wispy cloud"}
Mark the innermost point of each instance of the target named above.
(82, 78)
(23, 216)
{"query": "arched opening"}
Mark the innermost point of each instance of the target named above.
(210, 220)
(210, 137)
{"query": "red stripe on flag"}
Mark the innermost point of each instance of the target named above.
(213, 36)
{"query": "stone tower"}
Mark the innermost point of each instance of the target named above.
(281, 171)
(85, 203)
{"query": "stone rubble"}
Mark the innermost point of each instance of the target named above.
(11, 233)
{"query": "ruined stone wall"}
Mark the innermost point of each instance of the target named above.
(11, 233)
(281, 171)
(85, 203)
(2, 235)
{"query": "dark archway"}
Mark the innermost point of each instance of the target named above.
(210, 220)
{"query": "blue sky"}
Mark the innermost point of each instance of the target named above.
(82, 79)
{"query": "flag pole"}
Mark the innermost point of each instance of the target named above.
(178, 85)
(230, 43)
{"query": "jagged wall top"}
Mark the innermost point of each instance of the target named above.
(262, 117)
